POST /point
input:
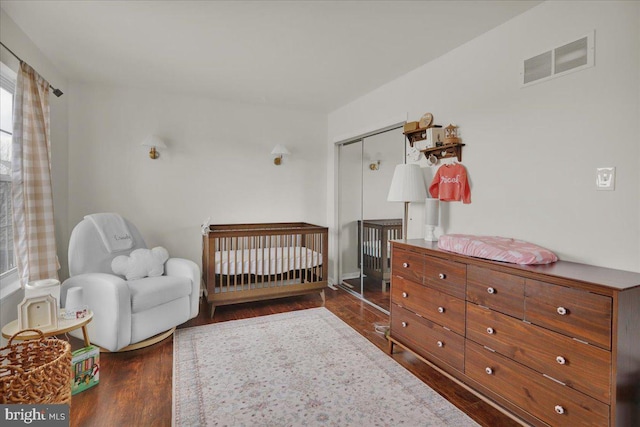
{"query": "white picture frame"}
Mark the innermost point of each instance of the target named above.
(39, 312)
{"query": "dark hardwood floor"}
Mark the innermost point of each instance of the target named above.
(135, 387)
(372, 291)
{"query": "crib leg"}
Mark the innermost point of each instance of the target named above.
(384, 286)
(323, 298)
(212, 309)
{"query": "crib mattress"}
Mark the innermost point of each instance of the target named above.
(266, 261)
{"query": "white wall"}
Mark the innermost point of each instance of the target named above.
(13, 37)
(217, 164)
(532, 153)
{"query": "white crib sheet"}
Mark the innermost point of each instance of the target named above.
(265, 261)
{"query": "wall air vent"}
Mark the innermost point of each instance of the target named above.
(574, 56)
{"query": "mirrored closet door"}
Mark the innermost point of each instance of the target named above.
(367, 221)
(349, 214)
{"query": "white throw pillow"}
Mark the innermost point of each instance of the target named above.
(141, 263)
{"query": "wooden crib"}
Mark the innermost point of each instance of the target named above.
(374, 246)
(253, 262)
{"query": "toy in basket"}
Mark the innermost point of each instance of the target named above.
(35, 371)
(86, 367)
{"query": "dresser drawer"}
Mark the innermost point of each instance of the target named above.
(573, 312)
(439, 307)
(580, 366)
(426, 338)
(496, 290)
(407, 265)
(542, 397)
(446, 276)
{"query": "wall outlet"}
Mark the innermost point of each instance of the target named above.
(606, 179)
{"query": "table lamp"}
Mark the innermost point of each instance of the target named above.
(407, 186)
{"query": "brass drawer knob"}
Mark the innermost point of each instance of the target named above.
(442, 276)
(491, 290)
(561, 311)
(440, 344)
(405, 264)
(404, 324)
(561, 360)
(440, 309)
(488, 370)
(559, 409)
(404, 295)
(490, 331)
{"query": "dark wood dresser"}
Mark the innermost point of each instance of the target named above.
(555, 344)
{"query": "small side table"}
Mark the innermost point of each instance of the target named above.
(64, 325)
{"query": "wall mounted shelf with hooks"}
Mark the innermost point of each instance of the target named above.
(445, 151)
(419, 134)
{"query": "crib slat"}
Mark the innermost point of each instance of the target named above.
(298, 274)
(222, 274)
(228, 243)
(285, 258)
(378, 239)
(236, 255)
(289, 241)
(235, 263)
(264, 258)
(269, 256)
(305, 272)
(311, 238)
(251, 244)
(315, 248)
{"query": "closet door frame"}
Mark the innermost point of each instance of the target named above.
(338, 146)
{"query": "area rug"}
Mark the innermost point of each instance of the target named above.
(301, 368)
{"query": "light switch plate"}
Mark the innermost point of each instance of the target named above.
(606, 179)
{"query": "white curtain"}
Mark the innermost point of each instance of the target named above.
(33, 225)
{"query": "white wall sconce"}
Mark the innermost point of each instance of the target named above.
(374, 160)
(279, 151)
(154, 142)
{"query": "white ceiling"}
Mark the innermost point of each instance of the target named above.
(316, 55)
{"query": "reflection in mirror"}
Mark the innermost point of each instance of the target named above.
(367, 221)
(381, 220)
(349, 213)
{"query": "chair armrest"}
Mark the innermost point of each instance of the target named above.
(109, 298)
(186, 268)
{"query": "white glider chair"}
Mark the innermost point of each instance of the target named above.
(127, 314)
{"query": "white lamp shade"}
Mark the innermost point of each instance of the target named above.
(407, 184)
(432, 212)
(154, 141)
(280, 150)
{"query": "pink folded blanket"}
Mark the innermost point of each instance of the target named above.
(496, 248)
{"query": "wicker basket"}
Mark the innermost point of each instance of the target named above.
(36, 371)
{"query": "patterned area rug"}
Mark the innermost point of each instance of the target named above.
(302, 368)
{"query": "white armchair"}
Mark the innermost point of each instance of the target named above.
(128, 314)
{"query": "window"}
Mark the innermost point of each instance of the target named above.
(7, 258)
